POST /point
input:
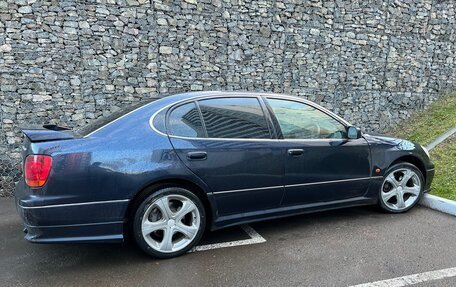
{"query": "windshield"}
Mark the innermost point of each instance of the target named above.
(102, 121)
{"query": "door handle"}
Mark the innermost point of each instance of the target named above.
(296, 152)
(197, 155)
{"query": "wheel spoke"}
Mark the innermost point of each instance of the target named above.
(391, 179)
(407, 176)
(148, 226)
(415, 190)
(163, 205)
(167, 242)
(187, 207)
(187, 231)
(389, 195)
(400, 200)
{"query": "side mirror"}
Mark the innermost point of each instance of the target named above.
(353, 132)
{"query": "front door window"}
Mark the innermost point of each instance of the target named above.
(301, 121)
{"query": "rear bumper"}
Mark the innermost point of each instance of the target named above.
(95, 221)
(82, 233)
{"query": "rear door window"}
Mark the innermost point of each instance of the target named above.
(241, 118)
(185, 121)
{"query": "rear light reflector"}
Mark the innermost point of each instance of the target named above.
(36, 169)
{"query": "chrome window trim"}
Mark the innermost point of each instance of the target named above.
(151, 121)
(244, 139)
(260, 97)
(74, 204)
(295, 185)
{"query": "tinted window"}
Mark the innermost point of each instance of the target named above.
(234, 118)
(159, 121)
(301, 121)
(102, 121)
(185, 121)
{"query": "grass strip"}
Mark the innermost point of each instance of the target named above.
(425, 126)
(444, 158)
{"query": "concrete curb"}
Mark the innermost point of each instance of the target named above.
(438, 203)
(441, 138)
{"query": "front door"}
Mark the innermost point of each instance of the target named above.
(321, 164)
(227, 143)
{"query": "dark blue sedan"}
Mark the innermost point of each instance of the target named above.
(167, 169)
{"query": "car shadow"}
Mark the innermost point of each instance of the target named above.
(32, 260)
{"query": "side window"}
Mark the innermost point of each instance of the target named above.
(234, 118)
(300, 121)
(185, 121)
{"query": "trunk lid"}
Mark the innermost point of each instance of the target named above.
(48, 133)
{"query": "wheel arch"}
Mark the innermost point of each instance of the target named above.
(170, 182)
(412, 160)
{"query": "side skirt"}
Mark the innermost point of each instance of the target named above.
(237, 219)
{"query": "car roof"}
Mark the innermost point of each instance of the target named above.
(190, 95)
(170, 100)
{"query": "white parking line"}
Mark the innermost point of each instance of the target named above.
(254, 239)
(412, 279)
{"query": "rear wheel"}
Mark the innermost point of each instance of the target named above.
(169, 222)
(402, 188)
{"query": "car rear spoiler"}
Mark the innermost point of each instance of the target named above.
(48, 133)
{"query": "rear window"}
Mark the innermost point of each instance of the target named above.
(102, 121)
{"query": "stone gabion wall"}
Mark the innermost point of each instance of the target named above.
(69, 62)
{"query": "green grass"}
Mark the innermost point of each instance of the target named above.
(424, 127)
(444, 158)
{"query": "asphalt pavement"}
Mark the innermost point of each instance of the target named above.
(337, 248)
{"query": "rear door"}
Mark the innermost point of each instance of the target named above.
(228, 142)
(321, 163)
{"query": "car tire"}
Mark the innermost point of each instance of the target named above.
(401, 180)
(169, 222)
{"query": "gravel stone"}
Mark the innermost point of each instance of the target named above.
(25, 10)
(71, 62)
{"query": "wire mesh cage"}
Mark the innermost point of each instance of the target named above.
(10, 161)
(10, 172)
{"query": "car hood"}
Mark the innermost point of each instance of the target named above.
(398, 143)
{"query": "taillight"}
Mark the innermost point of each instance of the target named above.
(36, 169)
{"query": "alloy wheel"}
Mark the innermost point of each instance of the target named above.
(401, 189)
(170, 223)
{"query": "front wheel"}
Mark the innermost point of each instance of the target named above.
(402, 188)
(169, 222)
